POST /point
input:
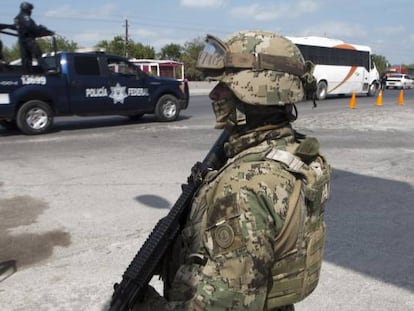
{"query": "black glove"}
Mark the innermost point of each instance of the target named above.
(42, 31)
(150, 301)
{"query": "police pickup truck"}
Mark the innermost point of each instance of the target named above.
(84, 84)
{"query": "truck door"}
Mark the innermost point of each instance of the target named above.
(88, 87)
(128, 91)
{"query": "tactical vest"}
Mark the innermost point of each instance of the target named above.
(300, 244)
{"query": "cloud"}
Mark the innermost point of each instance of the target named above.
(391, 31)
(155, 38)
(100, 12)
(260, 12)
(335, 29)
(203, 3)
(84, 39)
(144, 33)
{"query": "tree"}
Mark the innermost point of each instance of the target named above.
(138, 50)
(118, 46)
(410, 69)
(380, 62)
(189, 58)
(12, 53)
(45, 45)
(62, 44)
(171, 51)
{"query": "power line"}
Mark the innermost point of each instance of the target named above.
(168, 24)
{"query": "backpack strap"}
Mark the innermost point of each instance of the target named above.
(293, 162)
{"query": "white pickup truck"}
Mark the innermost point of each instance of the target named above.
(399, 81)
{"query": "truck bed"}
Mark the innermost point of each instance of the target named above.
(18, 69)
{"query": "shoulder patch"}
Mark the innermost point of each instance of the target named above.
(224, 235)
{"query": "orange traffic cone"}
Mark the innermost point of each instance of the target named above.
(352, 102)
(401, 98)
(379, 98)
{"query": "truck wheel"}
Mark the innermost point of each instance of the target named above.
(167, 108)
(34, 117)
(322, 90)
(9, 124)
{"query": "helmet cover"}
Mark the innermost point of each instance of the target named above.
(260, 67)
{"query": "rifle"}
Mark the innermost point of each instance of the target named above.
(8, 26)
(142, 268)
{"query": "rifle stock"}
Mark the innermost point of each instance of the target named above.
(142, 268)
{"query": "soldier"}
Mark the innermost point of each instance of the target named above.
(1, 52)
(28, 31)
(255, 235)
(383, 82)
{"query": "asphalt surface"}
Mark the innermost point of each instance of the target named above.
(76, 204)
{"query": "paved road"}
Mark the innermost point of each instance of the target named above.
(76, 204)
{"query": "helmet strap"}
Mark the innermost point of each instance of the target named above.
(291, 112)
(240, 114)
(273, 115)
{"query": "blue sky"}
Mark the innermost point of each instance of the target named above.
(385, 25)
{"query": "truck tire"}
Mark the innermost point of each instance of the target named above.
(9, 124)
(167, 108)
(322, 90)
(34, 117)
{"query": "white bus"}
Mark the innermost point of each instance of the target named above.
(340, 68)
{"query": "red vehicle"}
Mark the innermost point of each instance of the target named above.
(161, 68)
(396, 69)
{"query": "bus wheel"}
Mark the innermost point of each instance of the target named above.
(373, 88)
(322, 90)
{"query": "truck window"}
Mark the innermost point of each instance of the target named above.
(86, 65)
(50, 62)
(120, 67)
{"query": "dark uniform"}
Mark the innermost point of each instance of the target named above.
(28, 31)
(1, 50)
(384, 82)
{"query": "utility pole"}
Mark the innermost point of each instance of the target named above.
(126, 37)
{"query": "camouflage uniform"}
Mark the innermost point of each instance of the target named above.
(254, 237)
(230, 244)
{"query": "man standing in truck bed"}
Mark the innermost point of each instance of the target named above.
(1, 52)
(28, 31)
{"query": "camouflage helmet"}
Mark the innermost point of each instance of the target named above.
(260, 67)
